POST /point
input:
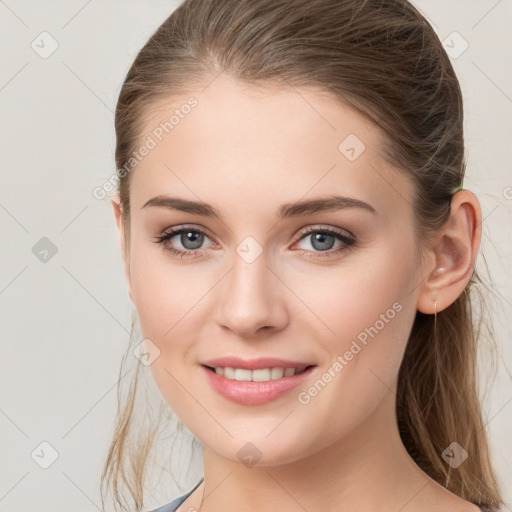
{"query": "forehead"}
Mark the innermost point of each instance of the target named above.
(263, 141)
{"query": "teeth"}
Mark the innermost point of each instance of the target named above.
(261, 375)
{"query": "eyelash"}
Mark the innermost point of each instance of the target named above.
(189, 253)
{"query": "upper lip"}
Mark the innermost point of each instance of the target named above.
(255, 364)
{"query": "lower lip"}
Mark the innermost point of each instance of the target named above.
(254, 393)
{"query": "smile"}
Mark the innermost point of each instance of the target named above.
(242, 386)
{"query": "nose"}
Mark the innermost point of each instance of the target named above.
(252, 298)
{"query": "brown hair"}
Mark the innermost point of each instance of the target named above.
(383, 58)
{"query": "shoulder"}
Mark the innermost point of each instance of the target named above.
(173, 505)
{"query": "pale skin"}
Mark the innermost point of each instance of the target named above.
(246, 153)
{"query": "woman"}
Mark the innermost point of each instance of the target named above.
(300, 252)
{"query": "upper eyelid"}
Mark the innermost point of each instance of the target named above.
(316, 227)
(176, 230)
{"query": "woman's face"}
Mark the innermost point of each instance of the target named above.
(265, 280)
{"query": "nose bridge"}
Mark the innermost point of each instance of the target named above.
(250, 296)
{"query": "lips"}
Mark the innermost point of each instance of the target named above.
(255, 393)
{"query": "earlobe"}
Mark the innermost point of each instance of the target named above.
(454, 252)
(119, 220)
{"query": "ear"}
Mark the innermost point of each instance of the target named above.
(454, 253)
(118, 215)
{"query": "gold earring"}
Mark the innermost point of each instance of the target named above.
(435, 314)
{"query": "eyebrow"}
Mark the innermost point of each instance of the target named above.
(307, 207)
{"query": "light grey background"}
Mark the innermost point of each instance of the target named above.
(65, 322)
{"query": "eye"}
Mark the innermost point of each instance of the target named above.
(191, 238)
(322, 240)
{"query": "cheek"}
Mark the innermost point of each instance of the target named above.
(170, 299)
(354, 296)
(167, 298)
(164, 292)
(365, 313)
(369, 312)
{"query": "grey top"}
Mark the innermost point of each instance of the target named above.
(171, 507)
